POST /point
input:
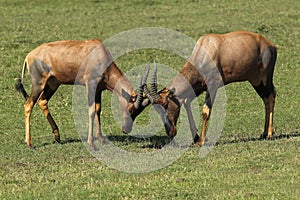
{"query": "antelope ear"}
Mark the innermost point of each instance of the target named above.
(126, 95)
(171, 92)
(164, 96)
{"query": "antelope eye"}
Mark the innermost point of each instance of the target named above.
(131, 108)
(133, 98)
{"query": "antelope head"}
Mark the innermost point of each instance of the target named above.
(132, 105)
(164, 102)
(138, 102)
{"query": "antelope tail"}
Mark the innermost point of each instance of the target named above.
(19, 86)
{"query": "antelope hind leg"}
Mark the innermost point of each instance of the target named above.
(43, 104)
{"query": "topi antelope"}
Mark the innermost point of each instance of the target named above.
(86, 63)
(217, 60)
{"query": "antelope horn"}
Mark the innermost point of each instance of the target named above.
(146, 75)
(153, 83)
(147, 93)
(139, 98)
(142, 85)
(144, 80)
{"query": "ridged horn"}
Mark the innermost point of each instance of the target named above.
(139, 97)
(142, 85)
(153, 83)
(147, 93)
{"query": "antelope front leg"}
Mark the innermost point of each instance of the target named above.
(91, 126)
(98, 124)
(205, 114)
(98, 112)
(193, 126)
(91, 91)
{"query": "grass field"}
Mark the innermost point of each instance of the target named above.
(240, 167)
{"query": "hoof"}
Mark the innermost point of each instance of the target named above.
(198, 144)
(28, 144)
(58, 140)
(31, 147)
(197, 141)
(92, 147)
(265, 136)
(196, 138)
(270, 137)
(102, 140)
(56, 136)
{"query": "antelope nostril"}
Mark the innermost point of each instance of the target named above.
(127, 128)
(170, 129)
(173, 131)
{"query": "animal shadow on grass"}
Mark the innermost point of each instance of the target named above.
(158, 142)
(62, 142)
(275, 137)
(153, 142)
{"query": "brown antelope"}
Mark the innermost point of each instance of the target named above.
(217, 60)
(86, 63)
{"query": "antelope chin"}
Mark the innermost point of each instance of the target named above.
(127, 128)
(172, 131)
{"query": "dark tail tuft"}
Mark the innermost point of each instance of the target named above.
(20, 88)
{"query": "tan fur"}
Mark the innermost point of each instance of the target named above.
(86, 63)
(220, 59)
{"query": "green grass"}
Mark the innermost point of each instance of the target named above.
(240, 167)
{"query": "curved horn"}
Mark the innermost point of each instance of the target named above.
(153, 83)
(139, 98)
(142, 85)
(146, 75)
(147, 93)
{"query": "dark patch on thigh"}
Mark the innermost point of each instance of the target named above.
(262, 90)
